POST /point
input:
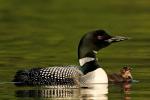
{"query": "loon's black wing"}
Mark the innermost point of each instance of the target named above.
(69, 75)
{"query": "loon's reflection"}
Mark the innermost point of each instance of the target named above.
(49, 92)
(93, 92)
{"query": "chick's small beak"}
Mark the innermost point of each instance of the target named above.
(117, 39)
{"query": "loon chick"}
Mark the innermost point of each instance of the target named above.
(89, 70)
(124, 76)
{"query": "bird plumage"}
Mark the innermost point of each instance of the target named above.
(69, 75)
(89, 70)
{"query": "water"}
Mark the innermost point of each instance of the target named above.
(46, 33)
(124, 91)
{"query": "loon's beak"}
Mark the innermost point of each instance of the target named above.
(117, 39)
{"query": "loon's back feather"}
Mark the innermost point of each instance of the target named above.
(69, 75)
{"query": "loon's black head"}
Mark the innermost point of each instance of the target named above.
(94, 41)
(89, 44)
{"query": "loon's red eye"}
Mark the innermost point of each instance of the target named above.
(100, 37)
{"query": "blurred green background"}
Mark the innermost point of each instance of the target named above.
(41, 33)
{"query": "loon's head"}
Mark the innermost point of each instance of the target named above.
(90, 44)
(93, 41)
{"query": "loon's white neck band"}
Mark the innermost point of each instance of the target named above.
(82, 61)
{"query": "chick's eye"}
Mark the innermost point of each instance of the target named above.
(100, 37)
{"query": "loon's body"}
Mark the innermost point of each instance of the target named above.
(89, 70)
(68, 75)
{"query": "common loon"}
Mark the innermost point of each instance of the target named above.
(89, 70)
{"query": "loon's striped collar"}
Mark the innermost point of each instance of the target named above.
(82, 61)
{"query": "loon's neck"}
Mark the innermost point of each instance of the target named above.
(87, 55)
(89, 62)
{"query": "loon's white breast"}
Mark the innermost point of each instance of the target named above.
(97, 76)
(100, 76)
